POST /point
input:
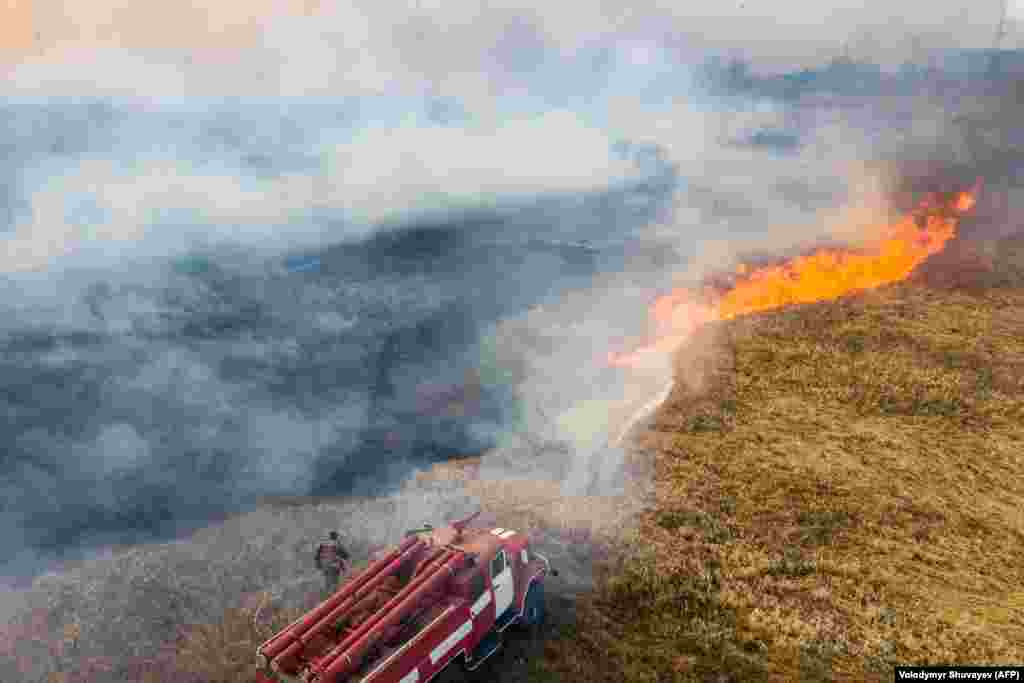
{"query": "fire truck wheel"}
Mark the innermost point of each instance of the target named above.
(533, 614)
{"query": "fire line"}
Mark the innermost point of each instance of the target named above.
(822, 275)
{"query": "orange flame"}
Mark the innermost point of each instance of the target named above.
(822, 275)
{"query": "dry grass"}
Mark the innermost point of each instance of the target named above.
(225, 651)
(130, 612)
(837, 492)
(844, 494)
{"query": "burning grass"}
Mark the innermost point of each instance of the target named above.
(890, 251)
(837, 492)
(843, 494)
(837, 488)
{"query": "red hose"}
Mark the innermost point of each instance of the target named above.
(352, 658)
(347, 655)
(273, 647)
(288, 661)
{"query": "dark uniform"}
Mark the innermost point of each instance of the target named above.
(331, 559)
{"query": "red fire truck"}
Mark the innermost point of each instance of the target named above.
(443, 595)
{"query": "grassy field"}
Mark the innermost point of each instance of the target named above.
(836, 489)
(829, 490)
(840, 491)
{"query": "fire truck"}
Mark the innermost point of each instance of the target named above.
(442, 596)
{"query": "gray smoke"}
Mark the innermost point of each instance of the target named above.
(277, 273)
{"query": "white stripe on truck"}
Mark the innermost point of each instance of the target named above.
(409, 643)
(480, 604)
(412, 677)
(451, 641)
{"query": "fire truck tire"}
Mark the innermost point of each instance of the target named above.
(533, 612)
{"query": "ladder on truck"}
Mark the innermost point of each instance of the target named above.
(353, 628)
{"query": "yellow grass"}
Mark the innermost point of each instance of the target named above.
(844, 494)
(837, 489)
(225, 652)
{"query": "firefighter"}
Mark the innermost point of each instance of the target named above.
(331, 560)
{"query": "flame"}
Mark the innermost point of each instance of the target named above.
(965, 201)
(822, 275)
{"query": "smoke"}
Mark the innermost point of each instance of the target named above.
(464, 46)
(254, 249)
(143, 203)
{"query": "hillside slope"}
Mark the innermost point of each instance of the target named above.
(840, 493)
